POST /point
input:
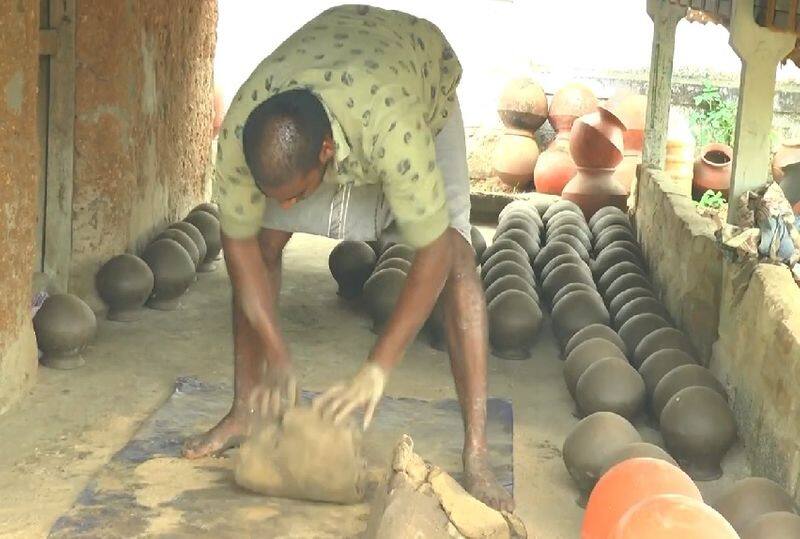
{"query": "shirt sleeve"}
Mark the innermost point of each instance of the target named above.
(402, 154)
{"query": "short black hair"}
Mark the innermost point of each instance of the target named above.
(283, 135)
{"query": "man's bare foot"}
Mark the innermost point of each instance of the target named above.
(482, 483)
(228, 433)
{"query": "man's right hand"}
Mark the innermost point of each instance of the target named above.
(277, 393)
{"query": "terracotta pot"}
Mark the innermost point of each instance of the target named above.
(625, 172)
(596, 140)
(790, 184)
(570, 103)
(712, 170)
(523, 104)
(592, 189)
(515, 158)
(679, 164)
(554, 168)
(632, 110)
(668, 516)
(787, 154)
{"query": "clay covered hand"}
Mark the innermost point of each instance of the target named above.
(277, 393)
(365, 390)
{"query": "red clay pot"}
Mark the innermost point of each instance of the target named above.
(515, 157)
(570, 103)
(592, 189)
(788, 153)
(625, 172)
(596, 140)
(712, 170)
(523, 104)
(632, 110)
(555, 167)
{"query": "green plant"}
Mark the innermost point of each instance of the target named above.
(714, 118)
(712, 199)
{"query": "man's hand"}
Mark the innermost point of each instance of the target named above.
(365, 390)
(274, 396)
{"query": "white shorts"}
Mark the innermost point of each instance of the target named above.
(349, 212)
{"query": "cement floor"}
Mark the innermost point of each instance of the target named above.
(72, 422)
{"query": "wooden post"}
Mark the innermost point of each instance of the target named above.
(760, 50)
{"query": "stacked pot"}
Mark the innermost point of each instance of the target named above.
(382, 289)
(511, 289)
(631, 109)
(522, 109)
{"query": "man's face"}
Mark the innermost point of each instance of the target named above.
(303, 185)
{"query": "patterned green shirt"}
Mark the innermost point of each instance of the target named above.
(387, 81)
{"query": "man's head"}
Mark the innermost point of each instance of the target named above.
(287, 145)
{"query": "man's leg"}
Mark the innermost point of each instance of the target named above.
(248, 363)
(467, 339)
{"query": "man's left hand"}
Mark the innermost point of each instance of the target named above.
(365, 390)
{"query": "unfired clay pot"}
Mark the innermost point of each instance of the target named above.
(397, 251)
(775, 525)
(614, 234)
(524, 240)
(571, 287)
(502, 256)
(626, 244)
(186, 242)
(640, 306)
(554, 167)
(593, 331)
(609, 219)
(559, 206)
(662, 339)
(514, 158)
(591, 444)
(623, 298)
(534, 225)
(522, 206)
(124, 282)
(351, 263)
(510, 282)
(639, 326)
(478, 242)
(575, 243)
(562, 276)
(514, 320)
(210, 207)
(747, 499)
(508, 267)
(615, 271)
(511, 222)
(632, 110)
(612, 257)
(570, 230)
(570, 103)
(625, 282)
(208, 225)
(381, 292)
(712, 170)
(698, 429)
(659, 364)
(680, 378)
(603, 212)
(523, 104)
(64, 326)
(595, 141)
(398, 263)
(500, 244)
(575, 311)
(568, 258)
(194, 233)
(788, 153)
(549, 252)
(638, 450)
(568, 218)
(173, 272)
(594, 188)
(584, 355)
(610, 385)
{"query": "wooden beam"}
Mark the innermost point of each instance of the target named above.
(48, 42)
(793, 16)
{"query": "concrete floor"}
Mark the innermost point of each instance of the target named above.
(72, 422)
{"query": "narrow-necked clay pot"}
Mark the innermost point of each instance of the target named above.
(640, 326)
(193, 232)
(568, 218)
(64, 326)
(502, 256)
(571, 287)
(568, 258)
(186, 242)
(499, 245)
(478, 243)
(590, 446)
(596, 140)
(524, 206)
(563, 275)
(775, 525)
(611, 257)
(624, 244)
(208, 225)
(397, 251)
(594, 188)
(712, 170)
(593, 331)
(124, 282)
(525, 240)
(612, 234)
(659, 364)
(508, 267)
(523, 104)
(516, 221)
(575, 311)
(698, 429)
(559, 206)
(625, 282)
(380, 295)
(660, 340)
(638, 450)
(351, 263)
(510, 282)
(680, 378)
(574, 242)
(549, 252)
(623, 298)
(747, 499)
(584, 355)
(514, 158)
(210, 207)
(514, 320)
(640, 306)
(173, 272)
(610, 219)
(398, 263)
(610, 385)
(602, 212)
(570, 229)
(570, 103)
(615, 271)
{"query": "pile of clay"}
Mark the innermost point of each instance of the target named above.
(418, 499)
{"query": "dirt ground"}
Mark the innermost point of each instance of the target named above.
(72, 422)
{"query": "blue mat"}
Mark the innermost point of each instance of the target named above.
(148, 490)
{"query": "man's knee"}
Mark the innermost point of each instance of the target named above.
(462, 255)
(272, 243)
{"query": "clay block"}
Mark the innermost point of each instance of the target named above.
(472, 517)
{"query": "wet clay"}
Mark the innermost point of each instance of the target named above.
(351, 263)
(563, 275)
(569, 258)
(575, 311)
(571, 287)
(747, 499)
(570, 230)
(508, 267)
(502, 256)
(659, 364)
(611, 257)
(593, 331)
(661, 339)
(617, 270)
(397, 250)
(303, 457)
(478, 243)
(517, 222)
(398, 263)
(776, 525)
(583, 356)
(610, 385)
(591, 444)
(549, 252)
(638, 327)
(569, 218)
(640, 306)
(638, 450)
(625, 282)
(628, 245)
(208, 225)
(193, 233)
(602, 212)
(173, 272)
(574, 242)
(698, 429)
(64, 326)
(209, 207)
(186, 242)
(522, 206)
(514, 320)
(501, 244)
(559, 206)
(528, 243)
(124, 282)
(622, 299)
(528, 214)
(380, 295)
(606, 221)
(680, 378)
(510, 282)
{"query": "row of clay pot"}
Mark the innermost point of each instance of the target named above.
(65, 324)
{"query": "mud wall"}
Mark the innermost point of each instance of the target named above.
(143, 124)
(19, 166)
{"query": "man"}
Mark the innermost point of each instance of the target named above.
(351, 129)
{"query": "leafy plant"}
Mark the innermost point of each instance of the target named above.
(712, 199)
(714, 118)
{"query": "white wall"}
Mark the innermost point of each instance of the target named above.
(495, 40)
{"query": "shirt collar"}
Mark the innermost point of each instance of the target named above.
(339, 138)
